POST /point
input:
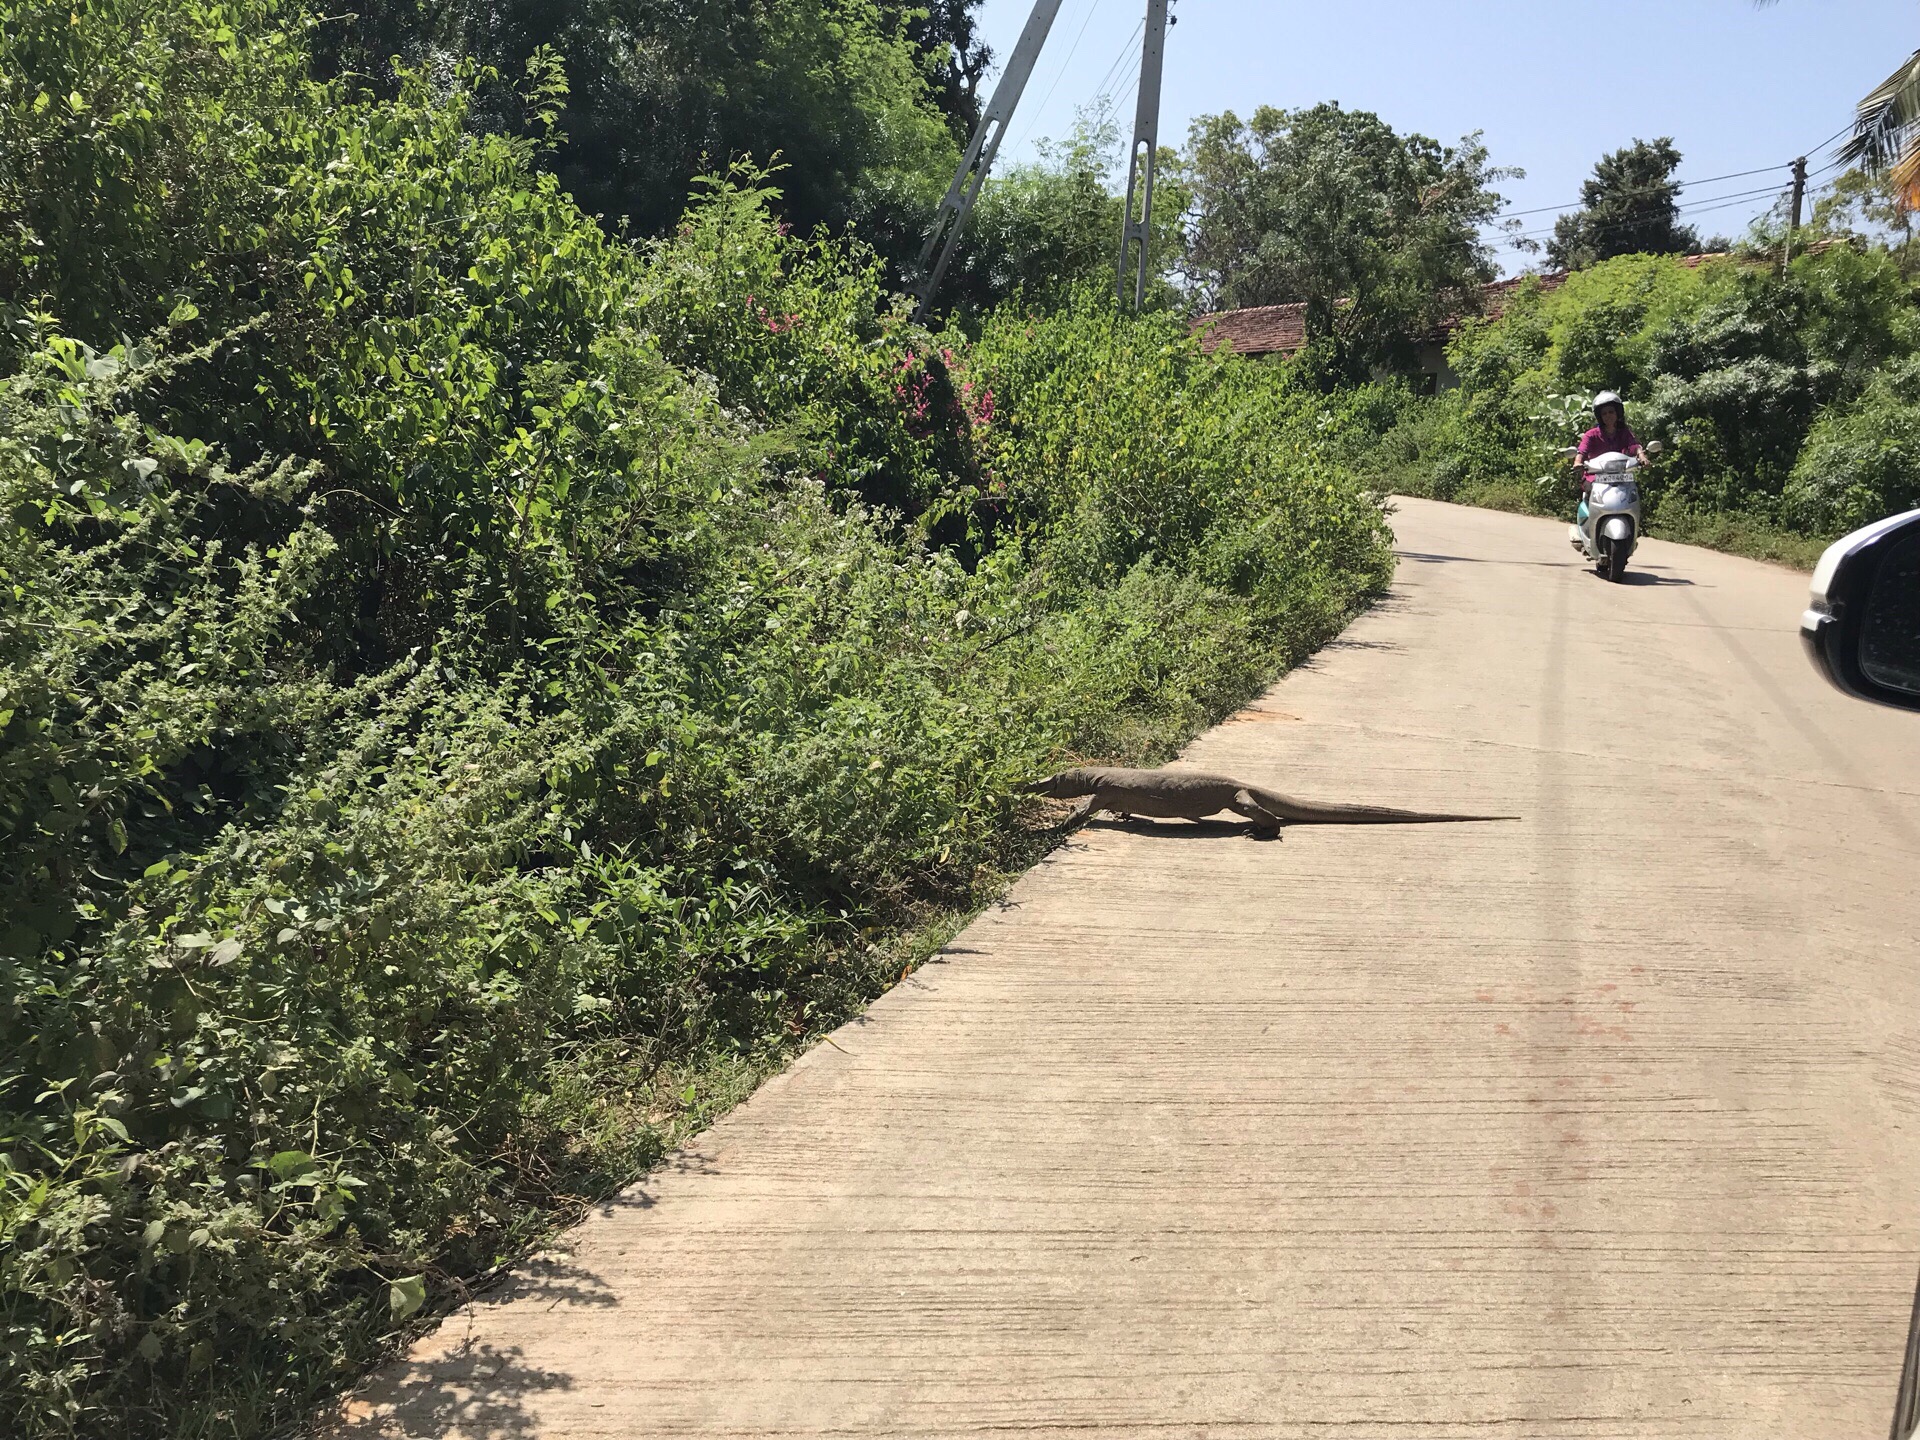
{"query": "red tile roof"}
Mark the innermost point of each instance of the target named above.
(1495, 298)
(1261, 330)
(1282, 329)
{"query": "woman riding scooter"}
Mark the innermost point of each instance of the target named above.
(1610, 435)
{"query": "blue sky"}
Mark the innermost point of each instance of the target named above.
(1553, 85)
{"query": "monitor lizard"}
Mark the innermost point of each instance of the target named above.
(1189, 795)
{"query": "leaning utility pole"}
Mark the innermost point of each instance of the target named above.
(972, 174)
(1142, 158)
(1799, 198)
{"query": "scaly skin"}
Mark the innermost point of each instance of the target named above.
(1186, 795)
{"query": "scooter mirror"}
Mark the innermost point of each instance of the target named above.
(1862, 625)
(1654, 447)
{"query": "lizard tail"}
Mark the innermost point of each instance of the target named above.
(1306, 812)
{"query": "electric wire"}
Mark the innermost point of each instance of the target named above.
(1701, 208)
(1061, 74)
(1709, 180)
(1705, 205)
(1831, 138)
(1679, 185)
(1125, 102)
(1104, 88)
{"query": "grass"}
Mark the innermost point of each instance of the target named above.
(1738, 535)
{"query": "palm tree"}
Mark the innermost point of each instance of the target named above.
(1886, 131)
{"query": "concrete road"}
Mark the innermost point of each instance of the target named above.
(1601, 1123)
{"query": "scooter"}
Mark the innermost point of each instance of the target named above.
(1610, 527)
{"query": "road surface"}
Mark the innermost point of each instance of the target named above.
(1597, 1124)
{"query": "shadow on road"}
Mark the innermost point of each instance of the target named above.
(1428, 558)
(1647, 577)
(477, 1391)
(1634, 577)
(1185, 829)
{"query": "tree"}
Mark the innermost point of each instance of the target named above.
(1044, 228)
(1377, 233)
(944, 33)
(1886, 131)
(848, 93)
(1629, 207)
(1868, 207)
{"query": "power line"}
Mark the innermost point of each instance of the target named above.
(1126, 49)
(1695, 184)
(1647, 189)
(1132, 90)
(1101, 90)
(1710, 201)
(1065, 65)
(1698, 207)
(1732, 204)
(1831, 138)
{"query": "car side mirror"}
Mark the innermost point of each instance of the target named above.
(1862, 624)
(1654, 447)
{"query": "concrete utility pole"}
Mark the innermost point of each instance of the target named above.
(1906, 1405)
(987, 135)
(1141, 159)
(1799, 198)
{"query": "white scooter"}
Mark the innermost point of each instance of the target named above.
(1612, 527)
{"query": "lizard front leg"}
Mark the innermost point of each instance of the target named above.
(1079, 812)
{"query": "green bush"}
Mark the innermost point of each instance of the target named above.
(1862, 461)
(665, 90)
(1780, 397)
(136, 149)
(1125, 445)
(474, 696)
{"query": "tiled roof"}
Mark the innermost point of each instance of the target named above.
(1494, 298)
(1260, 330)
(1282, 329)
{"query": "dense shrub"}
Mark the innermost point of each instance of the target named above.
(134, 142)
(1862, 461)
(1780, 396)
(848, 93)
(1126, 445)
(474, 695)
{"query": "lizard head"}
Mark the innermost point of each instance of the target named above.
(1067, 785)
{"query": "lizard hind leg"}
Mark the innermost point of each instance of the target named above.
(1265, 822)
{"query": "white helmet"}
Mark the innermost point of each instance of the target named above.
(1605, 398)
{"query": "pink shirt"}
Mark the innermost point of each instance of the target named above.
(1595, 442)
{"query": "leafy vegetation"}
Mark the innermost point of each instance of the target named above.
(1629, 207)
(1044, 229)
(861, 99)
(475, 694)
(1784, 397)
(1377, 233)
